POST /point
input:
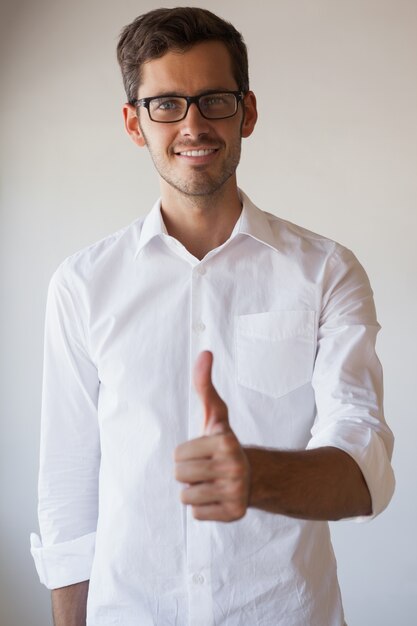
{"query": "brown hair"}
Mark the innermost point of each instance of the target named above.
(153, 34)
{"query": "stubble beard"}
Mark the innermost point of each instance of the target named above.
(200, 182)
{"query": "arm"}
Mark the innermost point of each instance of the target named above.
(223, 479)
(321, 484)
(70, 443)
(69, 604)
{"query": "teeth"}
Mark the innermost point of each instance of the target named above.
(197, 153)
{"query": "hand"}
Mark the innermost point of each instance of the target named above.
(214, 466)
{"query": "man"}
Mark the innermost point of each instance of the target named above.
(148, 447)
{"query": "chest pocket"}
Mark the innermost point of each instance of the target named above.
(275, 350)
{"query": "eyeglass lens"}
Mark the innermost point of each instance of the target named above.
(211, 106)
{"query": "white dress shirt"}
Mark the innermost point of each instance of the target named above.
(289, 316)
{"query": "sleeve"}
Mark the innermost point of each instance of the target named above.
(70, 446)
(347, 378)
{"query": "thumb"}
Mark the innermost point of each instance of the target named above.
(215, 410)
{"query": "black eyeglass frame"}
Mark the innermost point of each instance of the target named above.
(145, 102)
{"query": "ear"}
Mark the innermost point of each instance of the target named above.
(251, 114)
(132, 127)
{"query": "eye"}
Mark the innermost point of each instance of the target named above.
(214, 100)
(166, 104)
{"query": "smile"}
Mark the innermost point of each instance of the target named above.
(197, 153)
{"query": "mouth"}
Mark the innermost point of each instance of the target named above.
(198, 152)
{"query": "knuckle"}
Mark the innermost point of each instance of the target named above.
(228, 443)
(185, 496)
(197, 513)
(237, 511)
(178, 452)
(233, 469)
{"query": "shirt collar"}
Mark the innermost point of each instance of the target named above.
(255, 223)
(252, 222)
(153, 226)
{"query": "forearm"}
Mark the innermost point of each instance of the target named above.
(69, 604)
(320, 484)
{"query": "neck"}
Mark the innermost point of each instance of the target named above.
(201, 223)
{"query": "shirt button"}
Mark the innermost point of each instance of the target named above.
(199, 327)
(201, 270)
(198, 579)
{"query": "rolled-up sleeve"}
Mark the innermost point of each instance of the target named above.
(70, 444)
(347, 377)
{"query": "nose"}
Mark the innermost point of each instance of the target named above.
(194, 124)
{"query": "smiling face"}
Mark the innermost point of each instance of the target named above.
(195, 156)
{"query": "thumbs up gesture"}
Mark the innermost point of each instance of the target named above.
(214, 467)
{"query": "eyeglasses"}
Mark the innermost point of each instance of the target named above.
(212, 106)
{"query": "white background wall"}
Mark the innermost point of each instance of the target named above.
(335, 150)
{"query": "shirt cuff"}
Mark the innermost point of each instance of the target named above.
(367, 448)
(63, 563)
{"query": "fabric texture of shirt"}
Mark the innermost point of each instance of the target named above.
(290, 319)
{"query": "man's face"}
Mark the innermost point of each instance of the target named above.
(205, 67)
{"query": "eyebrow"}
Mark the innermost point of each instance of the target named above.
(202, 92)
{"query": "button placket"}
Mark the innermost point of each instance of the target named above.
(198, 324)
(200, 601)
